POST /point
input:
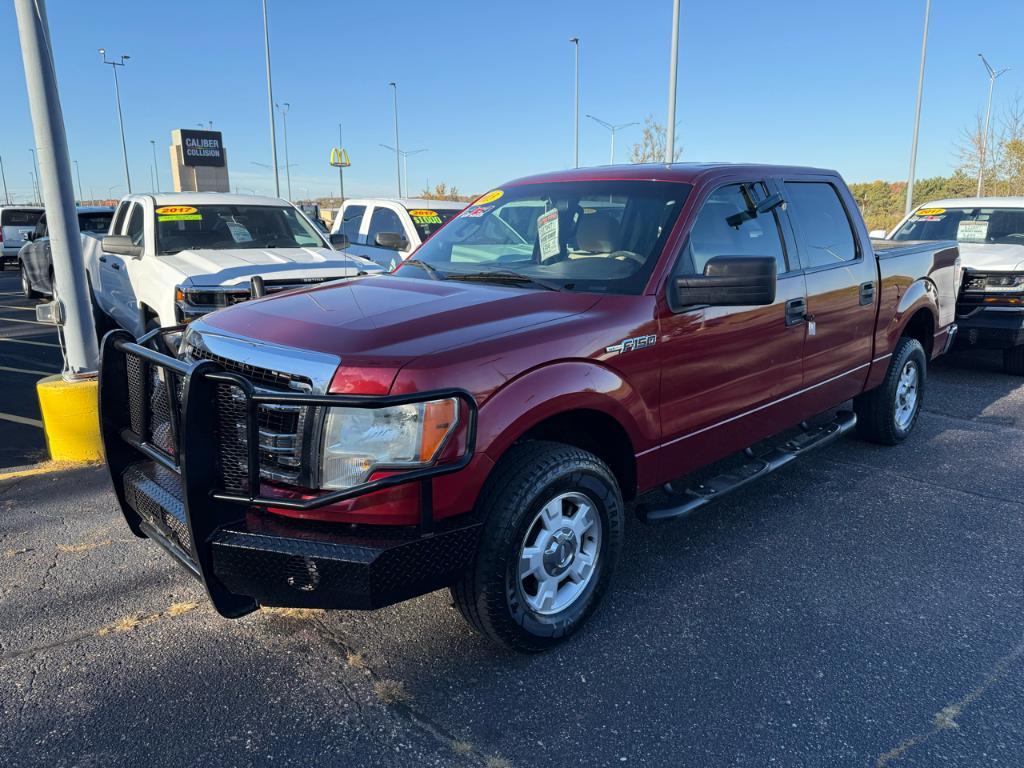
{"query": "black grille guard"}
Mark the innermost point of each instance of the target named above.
(196, 457)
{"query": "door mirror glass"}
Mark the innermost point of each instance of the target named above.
(730, 281)
(392, 241)
(877, 234)
(121, 245)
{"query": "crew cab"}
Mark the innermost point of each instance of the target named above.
(170, 258)
(483, 417)
(388, 230)
(990, 231)
(35, 259)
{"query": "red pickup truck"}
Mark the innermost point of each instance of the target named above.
(569, 347)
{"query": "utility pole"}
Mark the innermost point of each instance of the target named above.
(156, 166)
(398, 146)
(61, 216)
(341, 170)
(270, 104)
(120, 118)
(283, 108)
(612, 129)
(992, 76)
(917, 113)
(7, 197)
(78, 175)
(673, 67)
(576, 107)
(35, 185)
(405, 161)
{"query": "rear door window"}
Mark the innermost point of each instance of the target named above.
(351, 221)
(824, 234)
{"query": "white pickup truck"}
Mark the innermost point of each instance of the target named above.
(387, 230)
(170, 258)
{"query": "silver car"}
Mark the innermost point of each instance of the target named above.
(35, 259)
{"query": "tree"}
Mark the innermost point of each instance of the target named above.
(651, 147)
(443, 192)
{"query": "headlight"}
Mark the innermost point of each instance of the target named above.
(358, 441)
(209, 298)
(995, 283)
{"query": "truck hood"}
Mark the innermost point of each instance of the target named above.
(992, 256)
(236, 265)
(390, 320)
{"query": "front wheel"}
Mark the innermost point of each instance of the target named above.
(553, 529)
(887, 414)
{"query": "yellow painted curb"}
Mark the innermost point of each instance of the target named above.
(70, 418)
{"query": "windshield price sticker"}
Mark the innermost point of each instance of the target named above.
(425, 217)
(490, 197)
(172, 210)
(547, 234)
(972, 231)
(181, 217)
(238, 233)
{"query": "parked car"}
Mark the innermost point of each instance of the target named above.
(990, 231)
(35, 259)
(388, 230)
(171, 258)
(480, 418)
(16, 222)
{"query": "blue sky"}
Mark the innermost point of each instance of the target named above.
(486, 87)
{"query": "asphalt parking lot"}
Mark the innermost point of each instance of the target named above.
(862, 607)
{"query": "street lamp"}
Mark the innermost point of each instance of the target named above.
(576, 108)
(283, 109)
(917, 113)
(78, 175)
(35, 164)
(120, 118)
(270, 102)
(398, 159)
(613, 129)
(156, 166)
(35, 189)
(405, 161)
(673, 68)
(992, 76)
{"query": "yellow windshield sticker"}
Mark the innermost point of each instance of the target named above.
(422, 212)
(181, 217)
(929, 211)
(170, 210)
(423, 216)
(490, 197)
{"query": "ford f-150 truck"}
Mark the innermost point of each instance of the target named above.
(571, 346)
(990, 231)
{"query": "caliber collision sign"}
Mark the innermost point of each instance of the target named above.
(202, 148)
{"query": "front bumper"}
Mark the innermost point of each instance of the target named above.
(990, 328)
(171, 478)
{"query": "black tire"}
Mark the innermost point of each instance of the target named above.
(879, 418)
(491, 596)
(26, 286)
(1013, 361)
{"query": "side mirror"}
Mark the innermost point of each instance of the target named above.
(392, 241)
(28, 236)
(121, 245)
(877, 234)
(340, 240)
(730, 281)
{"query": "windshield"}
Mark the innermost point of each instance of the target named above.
(218, 227)
(428, 220)
(95, 222)
(592, 236)
(965, 225)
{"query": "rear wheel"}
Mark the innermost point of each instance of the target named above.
(26, 284)
(1013, 361)
(552, 533)
(887, 414)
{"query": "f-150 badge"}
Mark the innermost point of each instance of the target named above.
(628, 345)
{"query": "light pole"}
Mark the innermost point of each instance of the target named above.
(341, 170)
(156, 166)
(78, 175)
(405, 161)
(917, 112)
(7, 197)
(35, 164)
(992, 76)
(283, 109)
(673, 67)
(35, 189)
(576, 107)
(398, 150)
(120, 118)
(270, 103)
(612, 129)
(111, 188)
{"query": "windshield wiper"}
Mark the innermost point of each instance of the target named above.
(506, 276)
(433, 272)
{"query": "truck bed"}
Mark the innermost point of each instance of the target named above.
(889, 249)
